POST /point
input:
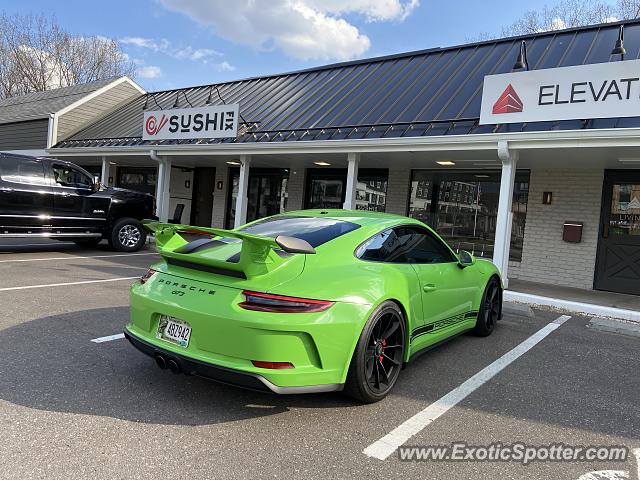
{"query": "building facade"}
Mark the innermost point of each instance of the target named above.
(552, 200)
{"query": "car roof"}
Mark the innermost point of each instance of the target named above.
(360, 217)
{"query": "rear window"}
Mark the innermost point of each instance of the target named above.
(315, 231)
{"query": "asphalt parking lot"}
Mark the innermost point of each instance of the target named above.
(73, 408)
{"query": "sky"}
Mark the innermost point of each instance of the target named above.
(180, 43)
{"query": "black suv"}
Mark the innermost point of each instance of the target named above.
(45, 197)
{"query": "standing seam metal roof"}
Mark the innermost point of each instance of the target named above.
(41, 104)
(430, 92)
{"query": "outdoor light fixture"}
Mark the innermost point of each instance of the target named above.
(146, 102)
(619, 48)
(322, 164)
(209, 97)
(522, 62)
(233, 163)
(445, 163)
(176, 104)
(481, 176)
(547, 198)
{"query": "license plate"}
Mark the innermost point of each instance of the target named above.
(173, 330)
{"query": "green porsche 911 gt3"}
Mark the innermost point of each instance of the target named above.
(308, 301)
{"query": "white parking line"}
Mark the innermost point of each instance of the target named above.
(108, 338)
(381, 449)
(26, 287)
(71, 257)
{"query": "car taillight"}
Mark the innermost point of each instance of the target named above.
(272, 365)
(268, 302)
(145, 278)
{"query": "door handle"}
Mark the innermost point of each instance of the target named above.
(429, 287)
(6, 189)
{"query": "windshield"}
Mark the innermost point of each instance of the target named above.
(315, 231)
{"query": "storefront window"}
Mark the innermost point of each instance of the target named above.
(462, 207)
(267, 193)
(625, 209)
(327, 188)
(141, 179)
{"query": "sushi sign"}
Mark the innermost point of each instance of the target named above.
(601, 90)
(215, 121)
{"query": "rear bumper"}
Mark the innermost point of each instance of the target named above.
(251, 381)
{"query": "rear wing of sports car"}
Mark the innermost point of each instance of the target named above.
(255, 258)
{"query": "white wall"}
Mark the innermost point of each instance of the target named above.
(179, 192)
(546, 258)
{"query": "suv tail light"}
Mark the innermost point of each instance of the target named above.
(145, 278)
(268, 302)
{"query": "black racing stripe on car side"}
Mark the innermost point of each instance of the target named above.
(421, 330)
(440, 324)
(206, 268)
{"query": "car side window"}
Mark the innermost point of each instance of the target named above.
(18, 170)
(378, 247)
(67, 176)
(404, 245)
(420, 246)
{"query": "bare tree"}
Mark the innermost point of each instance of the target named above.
(627, 9)
(564, 14)
(36, 54)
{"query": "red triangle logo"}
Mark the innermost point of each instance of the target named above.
(509, 102)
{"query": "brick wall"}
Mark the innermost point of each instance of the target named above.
(295, 189)
(220, 197)
(546, 257)
(398, 190)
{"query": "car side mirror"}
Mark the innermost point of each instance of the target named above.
(465, 259)
(294, 245)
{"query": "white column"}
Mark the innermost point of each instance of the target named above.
(504, 219)
(243, 187)
(162, 188)
(104, 176)
(159, 187)
(352, 181)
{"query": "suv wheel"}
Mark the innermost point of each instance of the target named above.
(127, 235)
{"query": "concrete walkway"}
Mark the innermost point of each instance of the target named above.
(590, 302)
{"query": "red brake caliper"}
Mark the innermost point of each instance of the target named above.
(384, 344)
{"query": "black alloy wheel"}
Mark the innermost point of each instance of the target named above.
(378, 358)
(490, 309)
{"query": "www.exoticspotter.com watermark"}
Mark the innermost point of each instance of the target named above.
(515, 452)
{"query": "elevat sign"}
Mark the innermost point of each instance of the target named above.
(602, 90)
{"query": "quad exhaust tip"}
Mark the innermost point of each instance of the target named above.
(167, 363)
(173, 366)
(161, 362)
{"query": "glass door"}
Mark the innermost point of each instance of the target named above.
(267, 193)
(618, 264)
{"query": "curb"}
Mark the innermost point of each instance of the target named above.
(571, 306)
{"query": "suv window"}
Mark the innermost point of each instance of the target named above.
(18, 170)
(315, 231)
(404, 245)
(67, 176)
